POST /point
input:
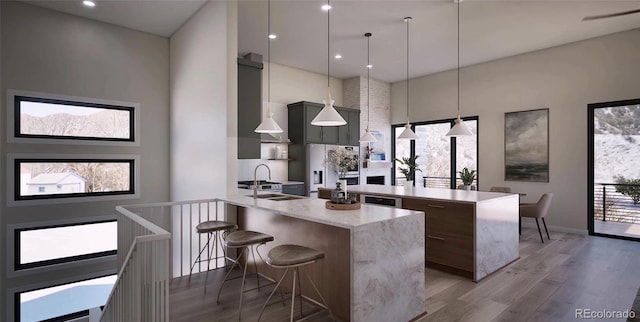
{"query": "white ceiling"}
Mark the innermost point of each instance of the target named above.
(489, 29)
(158, 17)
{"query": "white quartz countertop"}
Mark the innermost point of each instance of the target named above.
(428, 193)
(314, 210)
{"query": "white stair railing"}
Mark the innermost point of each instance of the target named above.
(156, 242)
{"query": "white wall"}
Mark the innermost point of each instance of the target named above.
(51, 52)
(288, 85)
(565, 79)
(202, 103)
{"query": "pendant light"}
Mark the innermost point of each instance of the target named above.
(459, 129)
(407, 133)
(269, 125)
(367, 136)
(328, 116)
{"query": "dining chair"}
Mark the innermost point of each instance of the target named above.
(538, 210)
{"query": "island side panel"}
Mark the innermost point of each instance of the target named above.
(497, 239)
(388, 270)
(330, 274)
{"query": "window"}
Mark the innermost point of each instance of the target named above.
(434, 151)
(67, 300)
(41, 246)
(439, 157)
(36, 117)
(63, 178)
(402, 149)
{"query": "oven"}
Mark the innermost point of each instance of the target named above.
(381, 200)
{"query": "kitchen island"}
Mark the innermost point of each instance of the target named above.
(470, 233)
(374, 264)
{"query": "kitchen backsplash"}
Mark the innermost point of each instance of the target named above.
(278, 168)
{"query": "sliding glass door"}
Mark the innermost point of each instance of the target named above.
(439, 157)
(614, 175)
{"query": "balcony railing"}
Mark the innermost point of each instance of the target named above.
(611, 205)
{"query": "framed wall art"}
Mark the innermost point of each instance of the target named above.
(377, 149)
(526, 145)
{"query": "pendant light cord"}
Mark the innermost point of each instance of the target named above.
(458, 77)
(269, 51)
(368, 86)
(407, 19)
(328, 43)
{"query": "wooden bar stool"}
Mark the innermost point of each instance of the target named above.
(212, 228)
(292, 257)
(244, 239)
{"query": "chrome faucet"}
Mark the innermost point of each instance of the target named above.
(255, 181)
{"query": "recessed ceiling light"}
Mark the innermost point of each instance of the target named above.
(273, 36)
(326, 7)
(369, 66)
(89, 3)
(338, 56)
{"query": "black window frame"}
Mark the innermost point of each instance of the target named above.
(453, 173)
(62, 260)
(591, 148)
(16, 298)
(19, 161)
(23, 98)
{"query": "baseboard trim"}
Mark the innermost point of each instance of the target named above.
(530, 223)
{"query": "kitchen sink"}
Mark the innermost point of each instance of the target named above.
(267, 196)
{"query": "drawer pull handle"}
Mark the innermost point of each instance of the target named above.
(434, 237)
(435, 206)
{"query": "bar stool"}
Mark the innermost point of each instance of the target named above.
(294, 257)
(212, 228)
(244, 239)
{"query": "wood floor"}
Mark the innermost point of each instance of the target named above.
(548, 283)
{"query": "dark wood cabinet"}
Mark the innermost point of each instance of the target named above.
(249, 108)
(449, 232)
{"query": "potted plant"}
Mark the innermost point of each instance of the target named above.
(340, 161)
(467, 177)
(409, 169)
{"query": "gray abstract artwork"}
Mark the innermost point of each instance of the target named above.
(526, 145)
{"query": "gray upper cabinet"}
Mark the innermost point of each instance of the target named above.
(349, 134)
(249, 108)
(313, 134)
(343, 130)
(300, 129)
(354, 127)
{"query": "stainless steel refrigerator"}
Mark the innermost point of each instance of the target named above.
(320, 176)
